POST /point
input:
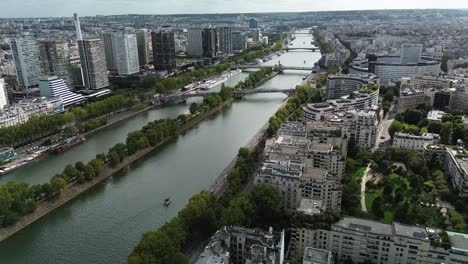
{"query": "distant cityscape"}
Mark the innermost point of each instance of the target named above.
(364, 161)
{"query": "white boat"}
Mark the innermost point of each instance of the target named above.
(212, 83)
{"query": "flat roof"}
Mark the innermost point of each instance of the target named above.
(459, 241)
(365, 226)
(410, 231)
(316, 255)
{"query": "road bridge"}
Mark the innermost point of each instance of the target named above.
(237, 94)
(311, 49)
(275, 68)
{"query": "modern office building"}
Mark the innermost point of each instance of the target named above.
(240, 245)
(256, 35)
(109, 51)
(390, 69)
(195, 42)
(125, 53)
(418, 143)
(52, 87)
(164, 58)
(93, 60)
(239, 41)
(340, 85)
(55, 59)
(209, 43)
(27, 62)
(411, 53)
(253, 23)
(3, 94)
(367, 241)
(93, 63)
(225, 40)
(143, 47)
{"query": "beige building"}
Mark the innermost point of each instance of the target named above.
(418, 143)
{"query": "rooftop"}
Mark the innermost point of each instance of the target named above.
(459, 241)
(410, 231)
(310, 206)
(365, 226)
(316, 256)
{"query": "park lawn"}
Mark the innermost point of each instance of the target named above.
(399, 181)
(370, 196)
(358, 173)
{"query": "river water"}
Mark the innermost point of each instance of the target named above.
(104, 224)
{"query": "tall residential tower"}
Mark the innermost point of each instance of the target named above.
(27, 63)
(164, 58)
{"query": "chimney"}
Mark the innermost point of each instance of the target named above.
(77, 27)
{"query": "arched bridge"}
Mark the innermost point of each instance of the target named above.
(275, 68)
(237, 94)
(311, 49)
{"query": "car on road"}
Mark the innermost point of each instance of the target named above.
(382, 137)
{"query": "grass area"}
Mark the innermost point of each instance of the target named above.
(358, 173)
(399, 181)
(370, 196)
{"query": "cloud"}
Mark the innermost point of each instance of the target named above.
(45, 8)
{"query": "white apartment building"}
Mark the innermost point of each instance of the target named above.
(456, 166)
(195, 42)
(21, 112)
(52, 87)
(411, 98)
(340, 85)
(27, 63)
(360, 125)
(126, 53)
(359, 240)
(298, 181)
(3, 94)
(418, 143)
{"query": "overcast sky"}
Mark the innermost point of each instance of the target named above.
(45, 8)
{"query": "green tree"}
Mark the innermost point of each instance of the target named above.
(114, 158)
(58, 184)
(267, 202)
(194, 107)
(446, 133)
(396, 126)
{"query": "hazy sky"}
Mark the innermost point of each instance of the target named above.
(43, 8)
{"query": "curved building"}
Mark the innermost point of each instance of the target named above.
(365, 98)
(340, 85)
(389, 68)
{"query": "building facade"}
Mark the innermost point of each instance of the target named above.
(459, 100)
(225, 40)
(143, 47)
(239, 41)
(359, 241)
(418, 143)
(125, 53)
(456, 166)
(240, 245)
(340, 85)
(3, 94)
(195, 42)
(209, 42)
(55, 59)
(164, 58)
(93, 63)
(109, 51)
(52, 87)
(27, 63)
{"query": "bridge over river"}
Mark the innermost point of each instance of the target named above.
(237, 94)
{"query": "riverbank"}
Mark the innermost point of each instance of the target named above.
(75, 190)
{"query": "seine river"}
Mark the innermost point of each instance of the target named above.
(104, 224)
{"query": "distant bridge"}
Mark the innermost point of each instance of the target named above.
(237, 94)
(275, 68)
(311, 49)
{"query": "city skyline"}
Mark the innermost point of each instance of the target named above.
(54, 8)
